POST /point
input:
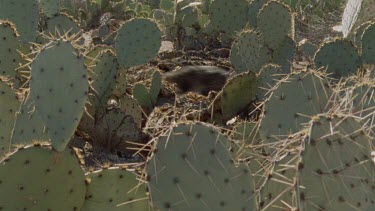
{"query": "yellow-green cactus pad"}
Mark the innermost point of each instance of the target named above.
(238, 93)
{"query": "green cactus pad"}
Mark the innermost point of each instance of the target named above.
(9, 56)
(237, 94)
(245, 135)
(278, 193)
(115, 129)
(137, 42)
(142, 95)
(62, 23)
(336, 171)
(254, 7)
(359, 32)
(103, 77)
(284, 54)
(191, 169)
(156, 84)
(115, 189)
(267, 79)
(340, 57)
(307, 48)
(50, 7)
(361, 100)
(295, 100)
(38, 178)
(59, 90)
(148, 98)
(275, 22)
(131, 107)
(120, 83)
(368, 45)
(248, 52)
(29, 126)
(228, 16)
(186, 15)
(58, 26)
(24, 14)
(9, 105)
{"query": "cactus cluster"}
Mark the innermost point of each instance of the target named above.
(280, 137)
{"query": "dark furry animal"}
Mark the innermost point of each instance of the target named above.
(200, 79)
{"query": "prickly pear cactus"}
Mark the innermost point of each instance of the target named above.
(63, 24)
(336, 171)
(228, 16)
(275, 22)
(24, 14)
(137, 42)
(50, 7)
(9, 56)
(295, 100)
(340, 57)
(38, 178)
(191, 169)
(8, 107)
(115, 189)
(284, 54)
(148, 98)
(238, 93)
(59, 90)
(120, 83)
(248, 52)
(278, 192)
(307, 48)
(102, 77)
(29, 126)
(131, 107)
(115, 129)
(267, 79)
(368, 45)
(254, 7)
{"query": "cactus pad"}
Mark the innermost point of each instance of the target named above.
(267, 79)
(9, 56)
(37, 178)
(137, 42)
(238, 93)
(131, 107)
(368, 45)
(298, 97)
(340, 57)
(284, 54)
(115, 189)
(336, 171)
(275, 22)
(191, 169)
(103, 76)
(24, 14)
(29, 126)
(228, 16)
(59, 90)
(9, 105)
(50, 7)
(248, 52)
